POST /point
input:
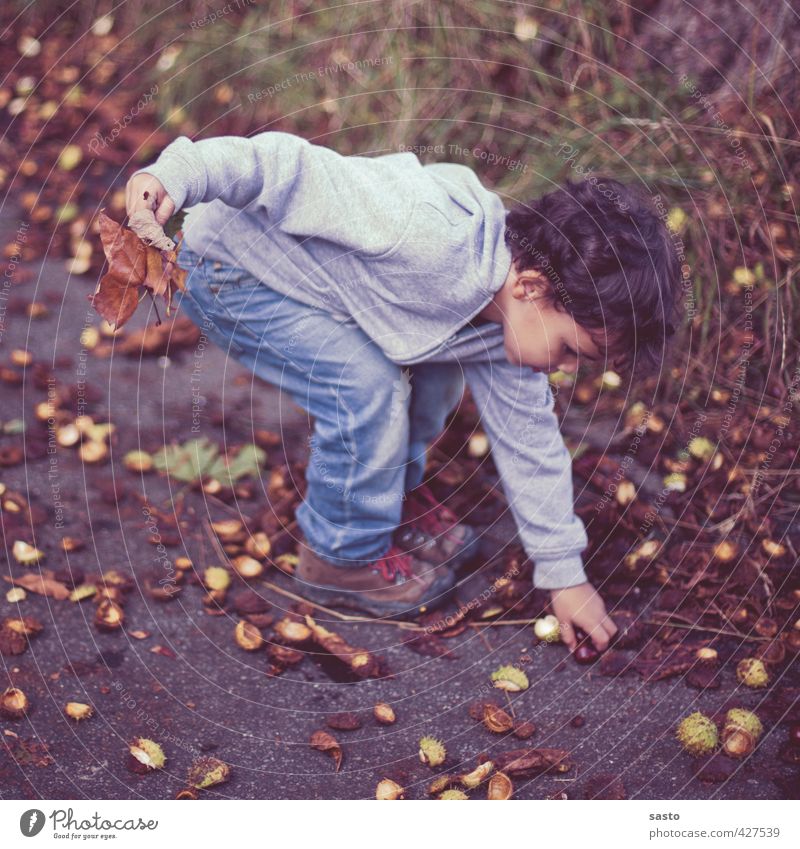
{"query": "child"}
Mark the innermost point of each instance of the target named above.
(371, 290)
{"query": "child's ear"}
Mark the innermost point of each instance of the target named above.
(528, 285)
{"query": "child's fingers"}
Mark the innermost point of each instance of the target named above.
(165, 210)
(608, 624)
(568, 635)
(599, 637)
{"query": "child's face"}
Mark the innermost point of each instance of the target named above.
(536, 333)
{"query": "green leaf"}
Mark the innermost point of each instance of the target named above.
(248, 462)
(200, 458)
(187, 462)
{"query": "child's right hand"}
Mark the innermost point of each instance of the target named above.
(582, 606)
(144, 191)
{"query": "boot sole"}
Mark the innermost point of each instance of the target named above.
(440, 591)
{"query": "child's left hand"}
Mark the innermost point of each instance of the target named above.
(582, 605)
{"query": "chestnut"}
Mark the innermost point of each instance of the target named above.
(585, 652)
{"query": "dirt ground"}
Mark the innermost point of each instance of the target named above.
(201, 694)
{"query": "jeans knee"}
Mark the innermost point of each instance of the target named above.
(376, 386)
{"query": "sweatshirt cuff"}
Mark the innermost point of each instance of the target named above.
(555, 573)
(176, 172)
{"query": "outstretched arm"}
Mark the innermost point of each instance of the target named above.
(535, 466)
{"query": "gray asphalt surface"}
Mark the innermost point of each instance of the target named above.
(212, 697)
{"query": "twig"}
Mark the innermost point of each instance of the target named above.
(406, 626)
(689, 627)
(506, 622)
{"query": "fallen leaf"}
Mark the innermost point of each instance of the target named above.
(197, 459)
(344, 721)
(42, 584)
(325, 742)
(529, 762)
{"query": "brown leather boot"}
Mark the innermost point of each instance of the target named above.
(432, 531)
(397, 584)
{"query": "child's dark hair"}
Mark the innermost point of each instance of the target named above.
(611, 263)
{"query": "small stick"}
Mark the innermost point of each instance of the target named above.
(721, 631)
(407, 626)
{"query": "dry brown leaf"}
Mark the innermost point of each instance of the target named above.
(325, 742)
(132, 267)
(144, 224)
(43, 584)
(529, 762)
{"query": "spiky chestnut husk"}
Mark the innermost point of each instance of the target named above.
(510, 678)
(389, 790)
(752, 672)
(25, 553)
(432, 751)
(207, 771)
(148, 753)
(440, 783)
(697, 734)
(470, 780)
(453, 794)
(547, 628)
(701, 448)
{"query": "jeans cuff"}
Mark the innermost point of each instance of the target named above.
(363, 549)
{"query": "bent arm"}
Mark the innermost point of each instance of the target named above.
(304, 189)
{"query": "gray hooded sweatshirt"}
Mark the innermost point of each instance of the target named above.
(409, 252)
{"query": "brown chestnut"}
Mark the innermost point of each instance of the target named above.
(585, 652)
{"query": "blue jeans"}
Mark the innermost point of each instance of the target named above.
(373, 419)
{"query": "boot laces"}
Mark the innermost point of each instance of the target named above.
(395, 562)
(429, 514)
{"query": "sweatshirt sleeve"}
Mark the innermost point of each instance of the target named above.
(517, 411)
(304, 189)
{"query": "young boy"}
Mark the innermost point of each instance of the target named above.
(371, 290)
